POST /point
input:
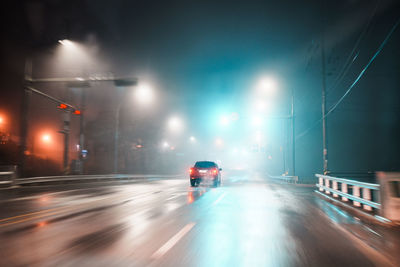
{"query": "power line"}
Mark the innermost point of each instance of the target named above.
(355, 81)
(365, 68)
(352, 56)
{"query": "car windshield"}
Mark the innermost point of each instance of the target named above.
(200, 133)
(205, 164)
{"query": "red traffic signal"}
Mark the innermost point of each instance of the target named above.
(62, 106)
(77, 112)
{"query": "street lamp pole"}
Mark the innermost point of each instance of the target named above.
(82, 130)
(24, 129)
(65, 130)
(116, 138)
(293, 137)
(324, 121)
(26, 97)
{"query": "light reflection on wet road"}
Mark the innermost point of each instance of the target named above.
(246, 222)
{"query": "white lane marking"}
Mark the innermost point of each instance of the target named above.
(177, 195)
(170, 243)
(170, 198)
(219, 199)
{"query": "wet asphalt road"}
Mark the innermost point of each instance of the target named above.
(248, 221)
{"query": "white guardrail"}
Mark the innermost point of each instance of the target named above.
(286, 179)
(361, 193)
(381, 199)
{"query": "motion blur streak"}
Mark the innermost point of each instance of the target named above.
(248, 221)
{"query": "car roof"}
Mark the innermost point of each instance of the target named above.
(205, 162)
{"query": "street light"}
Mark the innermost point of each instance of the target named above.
(192, 139)
(144, 94)
(224, 120)
(78, 55)
(261, 105)
(46, 138)
(165, 144)
(2, 122)
(267, 86)
(175, 124)
(219, 142)
(66, 43)
(257, 121)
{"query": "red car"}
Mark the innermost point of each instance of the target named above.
(205, 171)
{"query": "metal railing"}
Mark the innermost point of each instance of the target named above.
(359, 193)
(89, 178)
(8, 178)
(286, 179)
(8, 175)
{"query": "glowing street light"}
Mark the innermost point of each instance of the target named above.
(267, 86)
(219, 142)
(46, 138)
(2, 122)
(67, 43)
(257, 121)
(165, 145)
(192, 139)
(144, 94)
(261, 105)
(175, 124)
(224, 120)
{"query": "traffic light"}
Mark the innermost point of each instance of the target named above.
(62, 106)
(67, 107)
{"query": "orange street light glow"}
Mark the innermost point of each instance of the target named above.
(46, 138)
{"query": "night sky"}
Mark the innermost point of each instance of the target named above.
(204, 57)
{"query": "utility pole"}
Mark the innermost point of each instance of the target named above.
(293, 138)
(283, 147)
(82, 130)
(116, 139)
(26, 97)
(324, 121)
(24, 129)
(65, 130)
